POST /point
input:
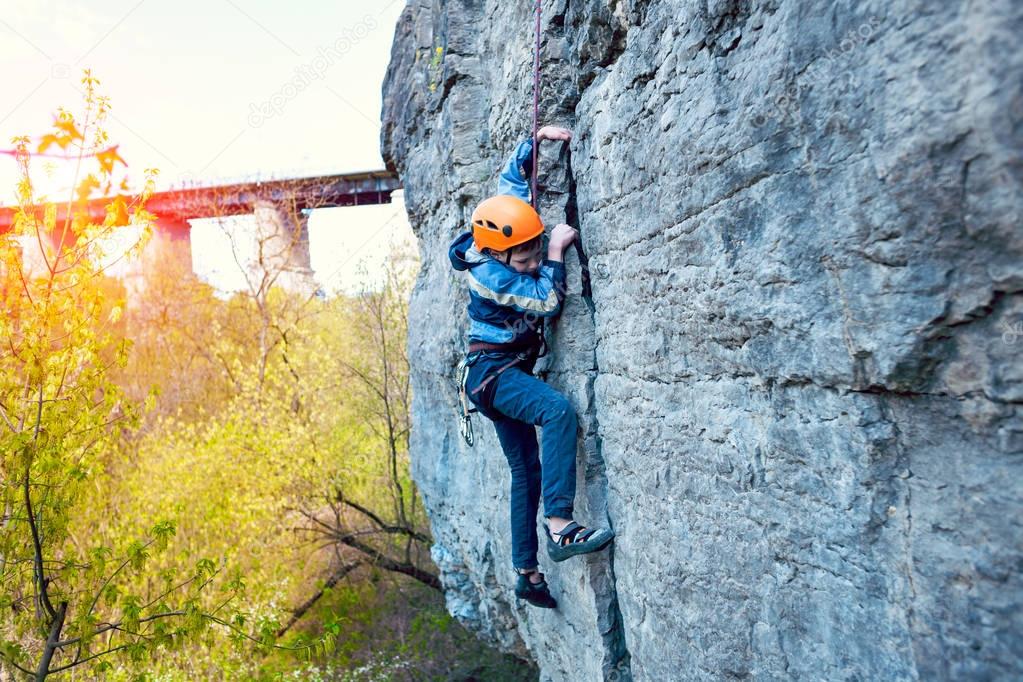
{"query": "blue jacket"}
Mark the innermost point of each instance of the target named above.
(506, 306)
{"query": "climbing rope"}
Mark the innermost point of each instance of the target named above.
(536, 104)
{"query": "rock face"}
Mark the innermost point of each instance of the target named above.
(800, 381)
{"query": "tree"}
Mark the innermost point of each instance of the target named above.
(349, 516)
(63, 599)
(306, 354)
(259, 406)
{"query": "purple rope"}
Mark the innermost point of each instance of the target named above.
(536, 103)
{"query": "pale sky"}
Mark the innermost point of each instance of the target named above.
(212, 90)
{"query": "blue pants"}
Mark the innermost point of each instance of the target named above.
(518, 402)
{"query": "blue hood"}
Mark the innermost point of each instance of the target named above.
(463, 253)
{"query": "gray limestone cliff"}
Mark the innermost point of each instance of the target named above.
(799, 382)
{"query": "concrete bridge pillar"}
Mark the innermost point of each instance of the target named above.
(169, 250)
(281, 248)
(33, 262)
(175, 238)
(38, 250)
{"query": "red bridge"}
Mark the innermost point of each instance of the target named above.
(281, 208)
(175, 207)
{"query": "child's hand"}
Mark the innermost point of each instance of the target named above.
(553, 133)
(561, 236)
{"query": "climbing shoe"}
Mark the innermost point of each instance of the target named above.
(536, 594)
(575, 539)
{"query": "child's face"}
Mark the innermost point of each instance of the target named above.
(527, 262)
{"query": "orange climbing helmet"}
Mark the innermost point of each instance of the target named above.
(504, 221)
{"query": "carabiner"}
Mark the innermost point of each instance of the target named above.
(465, 424)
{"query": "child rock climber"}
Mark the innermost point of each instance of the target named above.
(512, 289)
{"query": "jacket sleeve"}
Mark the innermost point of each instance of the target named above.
(541, 295)
(513, 180)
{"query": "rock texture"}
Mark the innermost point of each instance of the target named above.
(800, 380)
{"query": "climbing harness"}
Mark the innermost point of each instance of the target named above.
(519, 357)
(476, 352)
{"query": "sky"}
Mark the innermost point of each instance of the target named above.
(217, 90)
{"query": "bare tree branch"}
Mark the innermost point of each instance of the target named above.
(302, 608)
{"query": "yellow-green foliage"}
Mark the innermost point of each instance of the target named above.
(64, 599)
(178, 539)
(168, 544)
(256, 436)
